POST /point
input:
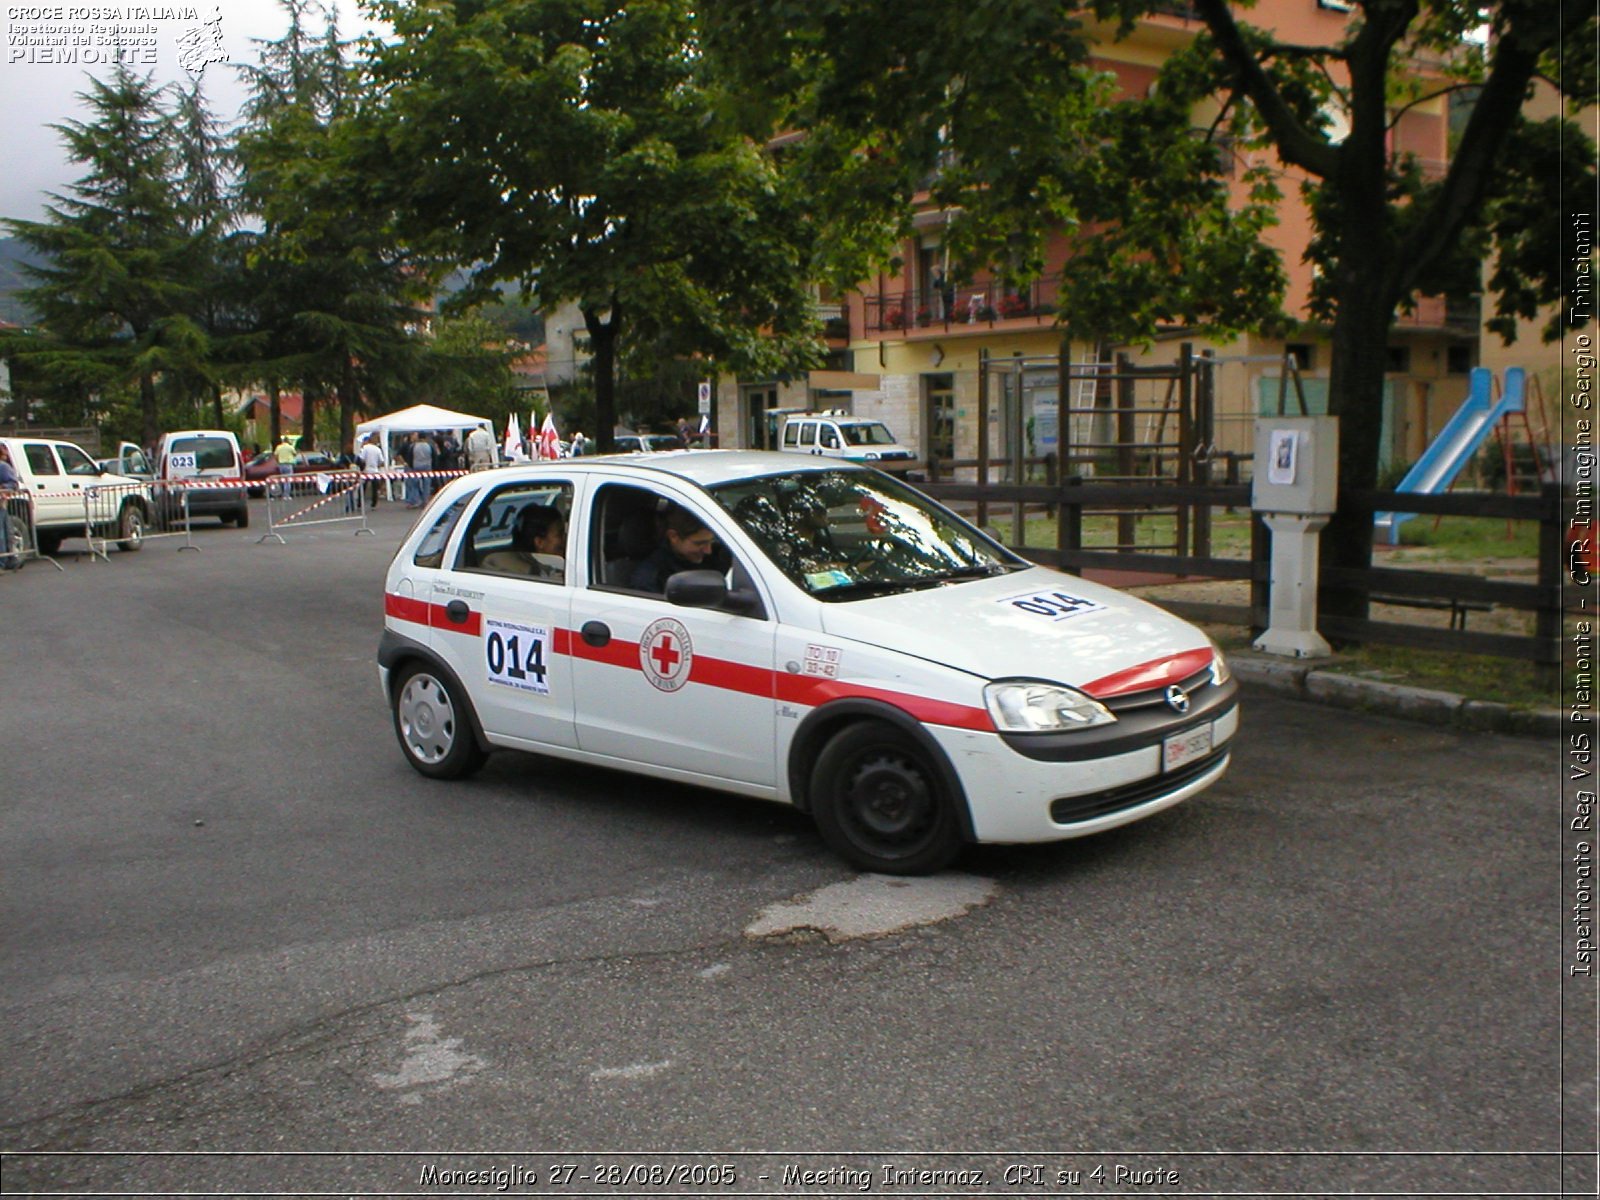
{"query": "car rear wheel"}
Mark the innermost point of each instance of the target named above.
(432, 722)
(880, 803)
(241, 518)
(130, 528)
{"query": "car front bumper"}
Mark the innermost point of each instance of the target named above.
(1016, 798)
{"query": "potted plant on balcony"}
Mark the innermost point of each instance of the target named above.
(924, 316)
(895, 318)
(1014, 306)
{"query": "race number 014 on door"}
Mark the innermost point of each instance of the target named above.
(514, 655)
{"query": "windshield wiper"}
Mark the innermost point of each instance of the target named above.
(874, 587)
(977, 571)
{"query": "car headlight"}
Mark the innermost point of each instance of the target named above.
(1220, 672)
(1033, 706)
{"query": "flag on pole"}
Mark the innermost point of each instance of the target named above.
(549, 439)
(513, 447)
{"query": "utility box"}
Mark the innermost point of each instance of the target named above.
(1296, 465)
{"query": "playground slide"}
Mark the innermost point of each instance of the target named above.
(1457, 442)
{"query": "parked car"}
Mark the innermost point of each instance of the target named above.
(845, 645)
(264, 467)
(73, 496)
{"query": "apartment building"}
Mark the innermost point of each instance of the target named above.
(911, 348)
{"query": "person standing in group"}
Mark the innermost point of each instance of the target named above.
(403, 455)
(421, 462)
(286, 452)
(480, 449)
(370, 459)
(578, 446)
(10, 482)
(449, 452)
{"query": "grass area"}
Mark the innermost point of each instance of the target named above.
(1475, 676)
(1461, 539)
(1422, 539)
(1152, 534)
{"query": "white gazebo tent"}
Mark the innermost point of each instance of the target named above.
(419, 418)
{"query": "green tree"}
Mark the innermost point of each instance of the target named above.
(115, 296)
(997, 97)
(576, 148)
(337, 302)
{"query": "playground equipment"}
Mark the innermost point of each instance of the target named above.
(1457, 443)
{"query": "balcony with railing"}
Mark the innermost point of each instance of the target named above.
(910, 311)
(1462, 315)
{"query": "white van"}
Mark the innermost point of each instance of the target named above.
(205, 456)
(835, 435)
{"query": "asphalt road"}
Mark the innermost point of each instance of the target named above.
(244, 941)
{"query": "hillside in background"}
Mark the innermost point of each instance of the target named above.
(13, 279)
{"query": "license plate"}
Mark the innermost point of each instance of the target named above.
(1185, 747)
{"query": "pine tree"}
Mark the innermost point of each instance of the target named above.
(114, 296)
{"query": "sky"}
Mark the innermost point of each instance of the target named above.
(168, 40)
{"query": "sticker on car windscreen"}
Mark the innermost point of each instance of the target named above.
(515, 655)
(1055, 606)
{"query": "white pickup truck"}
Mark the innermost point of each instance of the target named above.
(70, 495)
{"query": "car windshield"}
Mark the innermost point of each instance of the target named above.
(209, 454)
(847, 535)
(872, 433)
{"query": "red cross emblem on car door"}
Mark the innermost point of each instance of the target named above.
(666, 652)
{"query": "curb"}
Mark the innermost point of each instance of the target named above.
(1287, 677)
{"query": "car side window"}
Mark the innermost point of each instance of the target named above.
(430, 550)
(791, 434)
(639, 538)
(76, 461)
(830, 437)
(808, 434)
(520, 530)
(40, 460)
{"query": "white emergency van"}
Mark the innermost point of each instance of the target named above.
(855, 439)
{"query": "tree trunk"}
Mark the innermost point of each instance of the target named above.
(149, 417)
(1355, 396)
(349, 396)
(603, 345)
(274, 415)
(308, 416)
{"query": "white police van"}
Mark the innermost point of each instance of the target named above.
(838, 642)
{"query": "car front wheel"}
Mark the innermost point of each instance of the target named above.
(130, 528)
(432, 723)
(880, 803)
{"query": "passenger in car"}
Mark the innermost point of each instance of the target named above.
(538, 541)
(686, 543)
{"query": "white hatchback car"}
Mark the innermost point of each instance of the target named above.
(814, 633)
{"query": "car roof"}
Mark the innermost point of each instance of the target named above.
(706, 468)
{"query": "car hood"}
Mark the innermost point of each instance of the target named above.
(1032, 624)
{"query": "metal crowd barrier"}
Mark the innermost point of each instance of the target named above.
(16, 510)
(133, 513)
(349, 486)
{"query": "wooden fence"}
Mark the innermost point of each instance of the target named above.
(1073, 498)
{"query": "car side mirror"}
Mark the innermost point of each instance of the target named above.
(697, 589)
(708, 589)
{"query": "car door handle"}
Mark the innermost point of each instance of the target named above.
(596, 633)
(457, 611)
